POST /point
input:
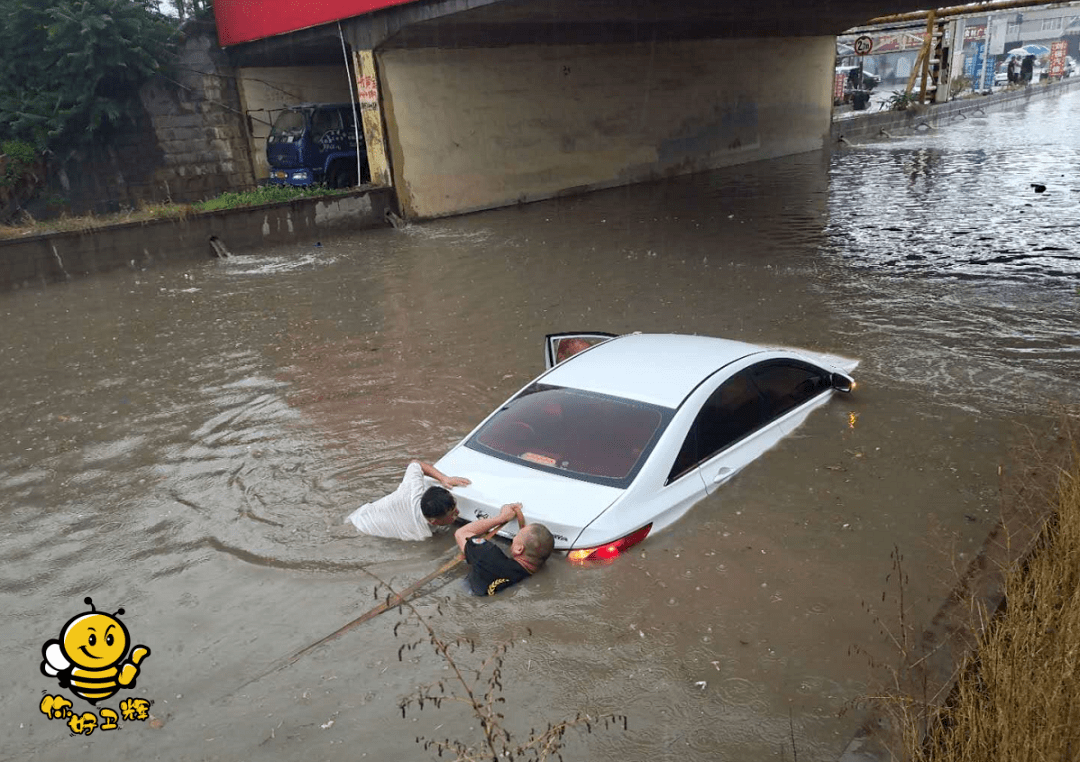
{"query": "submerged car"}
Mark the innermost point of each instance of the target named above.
(622, 435)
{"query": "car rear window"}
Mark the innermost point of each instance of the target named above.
(580, 434)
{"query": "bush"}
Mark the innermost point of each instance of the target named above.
(264, 194)
(17, 159)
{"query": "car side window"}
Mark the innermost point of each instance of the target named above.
(785, 385)
(687, 457)
(731, 412)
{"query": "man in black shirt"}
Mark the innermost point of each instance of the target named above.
(491, 570)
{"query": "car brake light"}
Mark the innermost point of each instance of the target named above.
(608, 551)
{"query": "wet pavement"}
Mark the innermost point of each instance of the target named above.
(185, 442)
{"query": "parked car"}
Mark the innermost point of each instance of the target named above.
(1001, 72)
(315, 143)
(624, 436)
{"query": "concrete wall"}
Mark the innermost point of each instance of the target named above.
(475, 128)
(59, 257)
(266, 90)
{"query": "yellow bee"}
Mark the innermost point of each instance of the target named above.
(89, 656)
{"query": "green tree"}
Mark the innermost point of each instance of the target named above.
(70, 70)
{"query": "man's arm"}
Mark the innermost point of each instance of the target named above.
(440, 477)
(508, 513)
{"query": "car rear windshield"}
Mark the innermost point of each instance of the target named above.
(580, 434)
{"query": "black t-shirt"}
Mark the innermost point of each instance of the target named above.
(490, 570)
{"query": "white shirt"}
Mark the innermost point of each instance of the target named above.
(397, 515)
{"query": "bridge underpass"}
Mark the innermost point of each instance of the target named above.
(473, 104)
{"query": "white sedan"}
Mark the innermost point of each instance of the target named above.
(622, 435)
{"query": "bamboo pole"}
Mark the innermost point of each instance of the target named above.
(389, 603)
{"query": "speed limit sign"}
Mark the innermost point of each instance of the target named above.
(863, 45)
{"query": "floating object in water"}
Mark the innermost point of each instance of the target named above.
(1039, 187)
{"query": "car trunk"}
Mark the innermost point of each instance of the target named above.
(562, 504)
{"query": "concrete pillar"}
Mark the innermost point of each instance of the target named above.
(476, 128)
(367, 98)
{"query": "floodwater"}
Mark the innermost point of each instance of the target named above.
(184, 442)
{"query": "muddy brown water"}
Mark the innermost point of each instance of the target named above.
(184, 443)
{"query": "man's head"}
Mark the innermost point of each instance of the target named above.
(532, 544)
(438, 506)
(570, 347)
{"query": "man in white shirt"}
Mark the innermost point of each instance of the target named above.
(410, 511)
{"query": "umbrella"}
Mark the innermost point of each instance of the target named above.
(1029, 50)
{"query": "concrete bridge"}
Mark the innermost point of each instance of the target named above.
(473, 104)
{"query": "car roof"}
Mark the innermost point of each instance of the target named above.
(661, 369)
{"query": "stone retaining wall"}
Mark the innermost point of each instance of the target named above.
(189, 142)
(58, 257)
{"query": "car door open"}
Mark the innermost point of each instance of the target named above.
(562, 346)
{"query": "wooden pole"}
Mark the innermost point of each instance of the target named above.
(389, 603)
(928, 47)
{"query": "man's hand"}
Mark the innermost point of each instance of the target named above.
(509, 512)
(447, 481)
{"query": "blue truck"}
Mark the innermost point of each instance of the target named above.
(313, 143)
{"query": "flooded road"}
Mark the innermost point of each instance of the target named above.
(185, 443)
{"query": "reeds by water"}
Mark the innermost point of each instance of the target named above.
(1014, 694)
(1018, 698)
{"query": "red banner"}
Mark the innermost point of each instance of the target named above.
(247, 20)
(838, 86)
(1058, 50)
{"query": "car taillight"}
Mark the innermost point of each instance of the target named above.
(610, 550)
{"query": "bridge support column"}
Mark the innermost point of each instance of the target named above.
(369, 101)
(476, 128)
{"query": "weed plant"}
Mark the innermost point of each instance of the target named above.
(266, 194)
(475, 679)
(1016, 695)
(1019, 697)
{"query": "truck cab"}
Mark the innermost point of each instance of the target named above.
(313, 143)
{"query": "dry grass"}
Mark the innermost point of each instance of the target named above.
(475, 679)
(266, 194)
(28, 226)
(1019, 698)
(1015, 695)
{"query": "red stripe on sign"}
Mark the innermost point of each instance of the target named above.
(246, 20)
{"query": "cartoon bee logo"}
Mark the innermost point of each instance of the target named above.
(89, 656)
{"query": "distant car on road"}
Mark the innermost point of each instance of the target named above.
(622, 438)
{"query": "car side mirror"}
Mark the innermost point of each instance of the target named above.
(842, 383)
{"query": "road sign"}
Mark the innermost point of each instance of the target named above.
(863, 45)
